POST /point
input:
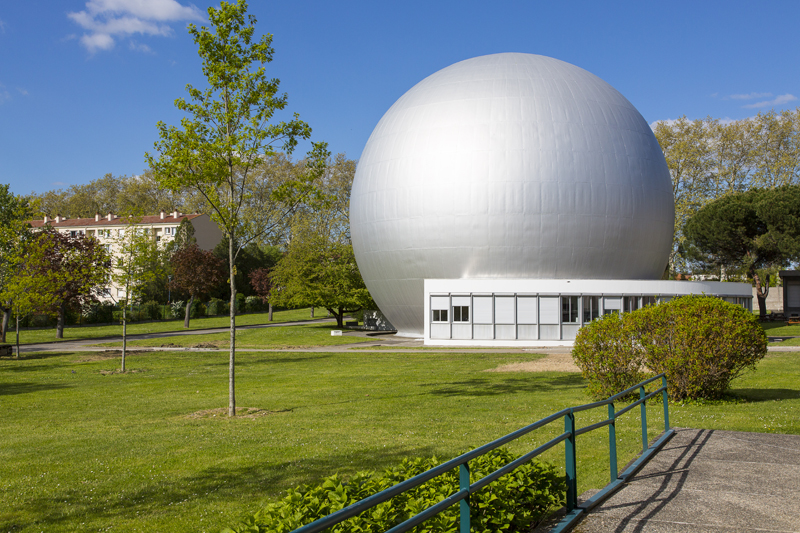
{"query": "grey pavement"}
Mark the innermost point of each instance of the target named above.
(708, 480)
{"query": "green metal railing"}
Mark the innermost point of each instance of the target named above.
(569, 436)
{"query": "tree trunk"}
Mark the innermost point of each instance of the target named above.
(17, 334)
(312, 311)
(6, 318)
(761, 296)
(339, 317)
(124, 335)
(60, 321)
(270, 311)
(231, 367)
(188, 312)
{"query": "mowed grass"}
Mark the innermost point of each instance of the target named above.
(87, 449)
(273, 337)
(33, 336)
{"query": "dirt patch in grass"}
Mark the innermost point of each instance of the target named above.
(205, 345)
(241, 412)
(118, 371)
(554, 362)
(110, 354)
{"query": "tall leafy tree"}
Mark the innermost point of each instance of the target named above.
(227, 136)
(752, 230)
(196, 272)
(14, 211)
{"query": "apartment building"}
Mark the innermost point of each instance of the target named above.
(109, 228)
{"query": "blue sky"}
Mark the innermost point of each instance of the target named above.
(83, 84)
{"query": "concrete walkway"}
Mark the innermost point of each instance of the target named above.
(709, 481)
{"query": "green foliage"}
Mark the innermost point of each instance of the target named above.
(198, 310)
(609, 354)
(239, 303)
(516, 502)
(217, 307)
(253, 304)
(151, 310)
(701, 343)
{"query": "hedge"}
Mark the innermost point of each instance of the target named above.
(516, 502)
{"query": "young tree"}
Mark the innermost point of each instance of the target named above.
(228, 134)
(322, 273)
(135, 258)
(14, 211)
(72, 269)
(196, 272)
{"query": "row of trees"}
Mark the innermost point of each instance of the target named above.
(709, 158)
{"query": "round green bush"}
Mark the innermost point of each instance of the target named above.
(608, 352)
(701, 343)
(151, 310)
(254, 304)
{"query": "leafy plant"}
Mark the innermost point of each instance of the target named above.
(517, 501)
(701, 343)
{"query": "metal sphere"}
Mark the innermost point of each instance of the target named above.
(508, 166)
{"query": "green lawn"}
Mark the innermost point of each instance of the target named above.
(779, 329)
(278, 337)
(90, 332)
(86, 449)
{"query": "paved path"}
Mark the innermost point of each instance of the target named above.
(709, 481)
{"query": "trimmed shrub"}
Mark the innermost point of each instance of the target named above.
(150, 310)
(517, 501)
(239, 303)
(609, 355)
(98, 313)
(254, 304)
(217, 307)
(701, 343)
(198, 309)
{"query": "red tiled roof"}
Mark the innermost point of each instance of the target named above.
(117, 220)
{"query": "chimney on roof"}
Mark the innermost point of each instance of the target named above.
(162, 214)
(58, 218)
(175, 214)
(110, 216)
(46, 219)
(97, 217)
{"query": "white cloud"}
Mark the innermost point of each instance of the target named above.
(2, 26)
(139, 47)
(749, 96)
(22, 91)
(105, 20)
(5, 96)
(666, 121)
(778, 100)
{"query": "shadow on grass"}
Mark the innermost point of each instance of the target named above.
(261, 358)
(486, 387)
(8, 389)
(257, 482)
(765, 395)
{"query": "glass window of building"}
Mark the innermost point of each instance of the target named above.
(630, 303)
(460, 313)
(440, 315)
(569, 309)
(591, 308)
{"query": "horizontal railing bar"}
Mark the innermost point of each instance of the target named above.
(638, 402)
(500, 472)
(587, 429)
(592, 405)
(429, 512)
(631, 389)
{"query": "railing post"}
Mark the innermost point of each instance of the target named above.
(569, 461)
(644, 418)
(463, 484)
(665, 397)
(612, 443)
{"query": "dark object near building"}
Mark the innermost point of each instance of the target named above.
(791, 294)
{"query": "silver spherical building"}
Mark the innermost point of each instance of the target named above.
(508, 166)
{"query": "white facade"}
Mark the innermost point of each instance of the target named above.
(537, 312)
(109, 229)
